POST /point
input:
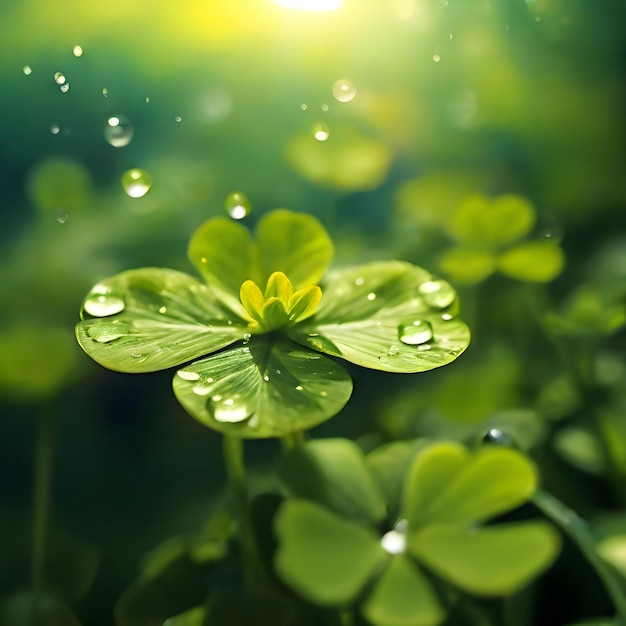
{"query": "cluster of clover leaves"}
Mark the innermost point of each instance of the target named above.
(401, 532)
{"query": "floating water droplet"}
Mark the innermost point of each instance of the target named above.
(27, 70)
(437, 293)
(266, 378)
(59, 78)
(343, 90)
(231, 410)
(324, 108)
(495, 436)
(178, 119)
(101, 302)
(105, 92)
(304, 107)
(136, 182)
(162, 309)
(299, 387)
(186, 375)
(371, 296)
(237, 205)
(65, 88)
(415, 332)
(394, 542)
(436, 58)
(118, 130)
(147, 99)
(278, 372)
(55, 129)
(393, 351)
(77, 51)
(62, 216)
(106, 333)
(359, 281)
(321, 132)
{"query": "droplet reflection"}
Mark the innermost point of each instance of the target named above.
(101, 302)
(415, 333)
(343, 90)
(321, 132)
(136, 182)
(232, 409)
(237, 205)
(118, 130)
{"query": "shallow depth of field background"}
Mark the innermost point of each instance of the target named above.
(381, 118)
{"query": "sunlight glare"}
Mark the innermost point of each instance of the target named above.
(311, 5)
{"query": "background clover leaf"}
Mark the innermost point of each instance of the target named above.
(296, 244)
(390, 316)
(333, 473)
(326, 558)
(268, 387)
(154, 318)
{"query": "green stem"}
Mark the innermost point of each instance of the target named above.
(42, 483)
(236, 471)
(293, 440)
(579, 532)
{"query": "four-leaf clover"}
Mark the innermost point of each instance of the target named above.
(252, 339)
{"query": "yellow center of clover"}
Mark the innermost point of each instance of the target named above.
(280, 305)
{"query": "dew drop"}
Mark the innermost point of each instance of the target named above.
(62, 216)
(437, 293)
(237, 205)
(139, 357)
(371, 296)
(55, 129)
(495, 436)
(101, 302)
(28, 70)
(118, 130)
(325, 108)
(278, 372)
(393, 351)
(106, 333)
(105, 92)
(59, 78)
(359, 281)
(178, 119)
(321, 132)
(266, 378)
(393, 542)
(299, 387)
(343, 90)
(415, 332)
(304, 107)
(231, 410)
(436, 58)
(77, 51)
(208, 380)
(186, 375)
(136, 182)
(65, 88)
(163, 309)
(446, 317)
(201, 390)
(246, 338)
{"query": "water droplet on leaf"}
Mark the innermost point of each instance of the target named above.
(393, 542)
(106, 333)
(118, 130)
(27, 70)
(343, 90)
(415, 332)
(321, 132)
(59, 78)
(371, 296)
(65, 88)
(437, 293)
(136, 182)
(232, 409)
(62, 216)
(102, 303)
(178, 119)
(186, 375)
(77, 51)
(299, 388)
(237, 205)
(393, 351)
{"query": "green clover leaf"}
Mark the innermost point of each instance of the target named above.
(448, 492)
(250, 356)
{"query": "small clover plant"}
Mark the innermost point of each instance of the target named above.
(489, 238)
(251, 340)
(332, 551)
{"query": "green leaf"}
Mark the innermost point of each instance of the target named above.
(224, 253)
(333, 473)
(151, 319)
(325, 558)
(193, 617)
(533, 261)
(403, 596)
(27, 608)
(389, 316)
(496, 560)
(503, 220)
(294, 244)
(468, 265)
(388, 465)
(447, 485)
(267, 387)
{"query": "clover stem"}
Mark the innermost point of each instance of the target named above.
(236, 471)
(578, 530)
(42, 482)
(293, 439)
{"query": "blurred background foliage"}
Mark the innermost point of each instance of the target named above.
(482, 140)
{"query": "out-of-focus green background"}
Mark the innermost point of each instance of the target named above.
(381, 118)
